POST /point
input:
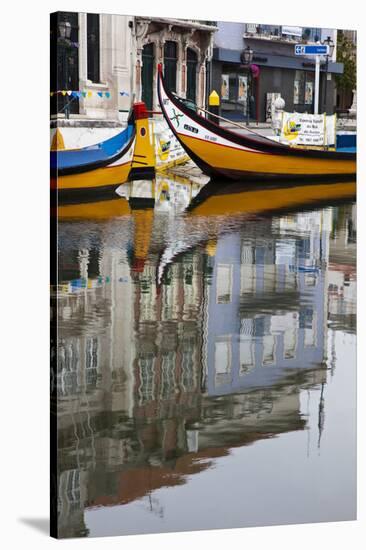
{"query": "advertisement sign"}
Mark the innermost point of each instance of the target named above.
(243, 88)
(307, 129)
(225, 86)
(303, 129)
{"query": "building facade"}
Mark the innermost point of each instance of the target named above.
(104, 62)
(258, 320)
(247, 90)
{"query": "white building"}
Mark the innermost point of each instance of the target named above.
(100, 63)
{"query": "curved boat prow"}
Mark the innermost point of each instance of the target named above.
(222, 153)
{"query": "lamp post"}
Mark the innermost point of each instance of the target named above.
(247, 58)
(327, 42)
(64, 34)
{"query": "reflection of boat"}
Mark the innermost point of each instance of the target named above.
(168, 192)
(222, 153)
(240, 199)
(102, 167)
(228, 204)
(100, 210)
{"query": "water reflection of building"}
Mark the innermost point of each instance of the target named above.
(266, 304)
(94, 375)
(155, 381)
(342, 269)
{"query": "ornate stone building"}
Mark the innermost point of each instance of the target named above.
(183, 47)
(100, 62)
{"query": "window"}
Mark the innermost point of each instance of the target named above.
(223, 361)
(290, 342)
(224, 283)
(65, 61)
(188, 371)
(170, 65)
(304, 88)
(93, 53)
(247, 355)
(147, 375)
(310, 333)
(168, 382)
(191, 74)
(269, 347)
(68, 367)
(147, 75)
(91, 362)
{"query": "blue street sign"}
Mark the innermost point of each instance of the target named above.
(303, 49)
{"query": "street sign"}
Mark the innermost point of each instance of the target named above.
(317, 49)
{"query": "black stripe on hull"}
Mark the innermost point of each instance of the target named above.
(141, 173)
(242, 175)
(141, 203)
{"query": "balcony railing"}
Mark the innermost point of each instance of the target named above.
(282, 33)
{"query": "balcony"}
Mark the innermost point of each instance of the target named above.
(286, 34)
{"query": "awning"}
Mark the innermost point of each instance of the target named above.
(276, 61)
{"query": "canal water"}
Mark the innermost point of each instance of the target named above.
(206, 358)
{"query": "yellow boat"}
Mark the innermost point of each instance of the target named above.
(96, 171)
(220, 152)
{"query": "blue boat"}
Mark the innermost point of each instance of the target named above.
(76, 161)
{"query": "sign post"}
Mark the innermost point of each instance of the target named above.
(317, 50)
(316, 93)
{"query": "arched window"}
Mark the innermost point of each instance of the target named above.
(65, 61)
(147, 75)
(191, 74)
(170, 65)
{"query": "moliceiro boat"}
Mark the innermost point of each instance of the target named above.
(101, 168)
(221, 153)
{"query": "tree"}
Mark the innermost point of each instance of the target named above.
(346, 54)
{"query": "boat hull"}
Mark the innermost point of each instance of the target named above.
(99, 182)
(222, 153)
(224, 161)
(112, 175)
